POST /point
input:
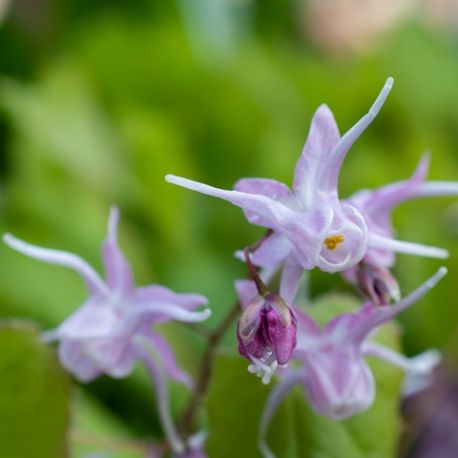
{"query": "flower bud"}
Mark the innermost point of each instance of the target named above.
(377, 284)
(266, 334)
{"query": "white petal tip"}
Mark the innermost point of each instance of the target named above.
(171, 178)
(8, 238)
(389, 82)
(205, 314)
(442, 271)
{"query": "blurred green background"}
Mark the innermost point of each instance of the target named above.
(100, 99)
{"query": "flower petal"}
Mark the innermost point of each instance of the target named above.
(115, 356)
(158, 293)
(322, 139)
(304, 230)
(419, 369)
(398, 246)
(118, 272)
(159, 312)
(330, 174)
(271, 252)
(162, 348)
(339, 382)
(382, 200)
(283, 337)
(269, 212)
(370, 317)
(290, 279)
(73, 357)
(61, 258)
(91, 320)
(162, 396)
(264, 187)
(438, 188)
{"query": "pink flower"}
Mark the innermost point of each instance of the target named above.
(113, 328)
(337, 380)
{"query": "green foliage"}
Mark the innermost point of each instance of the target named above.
(237, 398)
(34, 396)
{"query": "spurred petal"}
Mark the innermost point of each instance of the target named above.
(419, 369)
(264, 187)
(269, 211)
(167, 357)
(379, 203)
(74, 358)
(160, 312)
(118, 272)
(371, 316)
(158, 293)
(322, 139)
(333, 165)
(438, 188)
(61, 258)
(398, 246)
(162, 396)
(424, 363)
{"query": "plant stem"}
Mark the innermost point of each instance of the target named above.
(213, 340)
(206, 371)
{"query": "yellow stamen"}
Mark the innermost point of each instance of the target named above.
(334, 241)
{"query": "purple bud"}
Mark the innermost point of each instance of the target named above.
(377, 284)
(267, 334)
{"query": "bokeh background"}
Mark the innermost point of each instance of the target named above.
(100, 99)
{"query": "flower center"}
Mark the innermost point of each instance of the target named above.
(334, 241)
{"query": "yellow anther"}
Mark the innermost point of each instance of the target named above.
(334, 241)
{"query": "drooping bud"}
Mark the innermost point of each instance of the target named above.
(377, 284)
(266, 334)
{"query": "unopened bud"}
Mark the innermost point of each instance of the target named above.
(267, 334)
(377, 284)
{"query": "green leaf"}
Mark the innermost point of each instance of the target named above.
(34, 395)
(237, 398)
(96, 430)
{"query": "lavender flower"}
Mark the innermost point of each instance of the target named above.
(311, 227)
(266, 331)
(333, 371)
(113, 327)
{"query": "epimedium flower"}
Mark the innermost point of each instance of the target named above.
(113, 328)
(310, 226)
(332, 367)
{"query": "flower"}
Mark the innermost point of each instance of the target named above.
(113, 327)
(266, 331)
(310, 226)
(333, 371)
